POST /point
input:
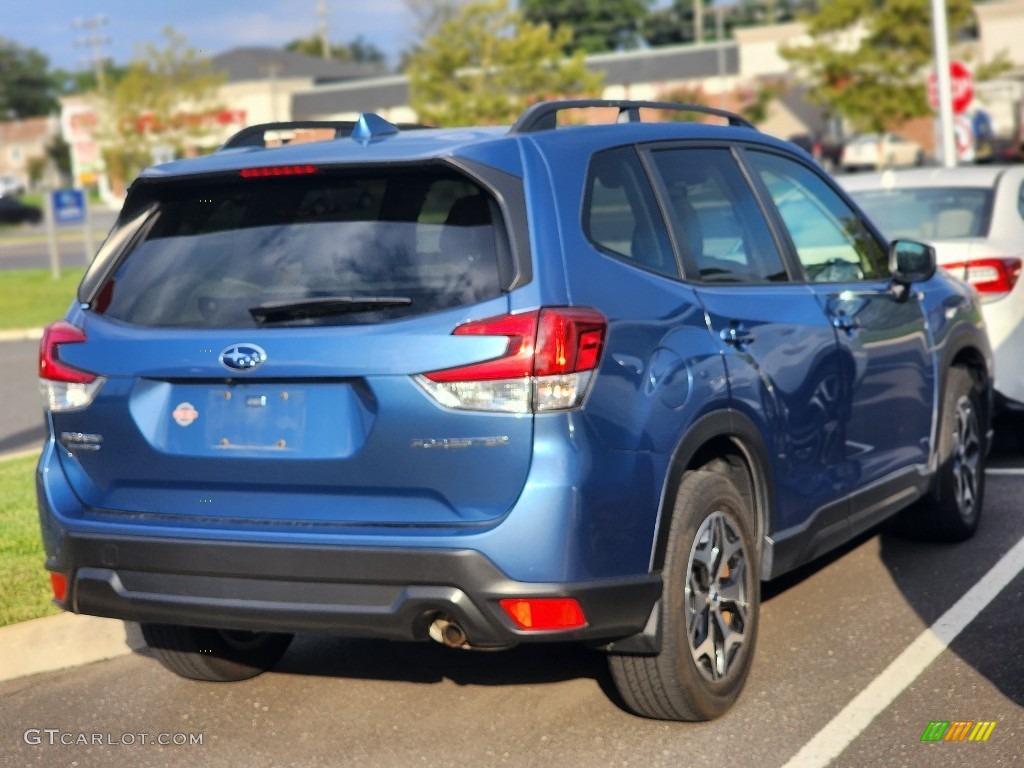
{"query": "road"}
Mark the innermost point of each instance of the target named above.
(827, 632)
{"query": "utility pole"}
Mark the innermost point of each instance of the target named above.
(94, 40)
(322, 29)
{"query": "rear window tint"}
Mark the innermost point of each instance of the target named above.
(215, 253)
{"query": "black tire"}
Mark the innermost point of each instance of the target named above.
(698, 674)
(952, 511)
(215, 655)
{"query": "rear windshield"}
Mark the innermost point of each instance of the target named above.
(928, 213)
(317, 249)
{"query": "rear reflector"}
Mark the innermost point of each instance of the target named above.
(544, 613)
(547, 364)
(992, 278)
(277, 170)
(63, 387)
(59, 582)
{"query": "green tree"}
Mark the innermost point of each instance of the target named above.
(84, 80)
(596, 25)
(165, 98)
(25, 86)
(877, 83)
(677, 23)
(488, 63)
(359, 49)
(58, 152)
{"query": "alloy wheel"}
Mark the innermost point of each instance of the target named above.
(966, 457)
(717, 596)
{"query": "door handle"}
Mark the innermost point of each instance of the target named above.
(736, 336)
(844, 322)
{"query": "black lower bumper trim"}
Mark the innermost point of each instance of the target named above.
(361, 592)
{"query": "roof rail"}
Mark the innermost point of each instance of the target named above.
(255, 135)
(542, 116)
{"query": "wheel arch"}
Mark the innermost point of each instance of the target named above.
(966, 352)
(726, 436)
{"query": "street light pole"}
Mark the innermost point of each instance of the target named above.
(940, 38)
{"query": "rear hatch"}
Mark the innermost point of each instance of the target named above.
(260, 337)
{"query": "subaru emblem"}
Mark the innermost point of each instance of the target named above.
(243, 357)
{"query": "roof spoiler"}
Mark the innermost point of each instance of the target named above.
(365, 127)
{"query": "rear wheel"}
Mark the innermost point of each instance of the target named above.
(952, 510)
(216, 655)
(709, 608)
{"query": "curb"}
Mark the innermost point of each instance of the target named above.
(20, 455)
(59, 642)
(21, 334)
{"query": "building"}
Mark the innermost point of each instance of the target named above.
(21, 142)
(259, 86)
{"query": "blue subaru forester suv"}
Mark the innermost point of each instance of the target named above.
(485, 386)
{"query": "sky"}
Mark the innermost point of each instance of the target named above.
(209, 25)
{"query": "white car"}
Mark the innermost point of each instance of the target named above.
(974, 216)
(873, 151)
(9, 185)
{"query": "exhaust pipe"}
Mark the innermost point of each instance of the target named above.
(447, 632)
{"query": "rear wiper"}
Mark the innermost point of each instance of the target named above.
(321, 306)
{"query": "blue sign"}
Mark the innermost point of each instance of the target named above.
(69, 206)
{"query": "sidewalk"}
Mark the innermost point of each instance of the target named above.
(21, 334)
(62, 641)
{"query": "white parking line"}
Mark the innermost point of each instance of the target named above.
(1004, 471)
(830, 741)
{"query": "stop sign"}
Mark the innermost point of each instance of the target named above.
(961, 83)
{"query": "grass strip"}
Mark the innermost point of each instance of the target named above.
(31, 298)
(24, 583)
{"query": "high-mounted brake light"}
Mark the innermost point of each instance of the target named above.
(547, 364)
(278, 170)
(544, 613)
(63, 387)
(992, 278)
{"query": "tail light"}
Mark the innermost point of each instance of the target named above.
(63, 387)
(992, 278)
(547, 364)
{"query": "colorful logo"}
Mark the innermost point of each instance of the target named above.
(184, 414)
(958, 730)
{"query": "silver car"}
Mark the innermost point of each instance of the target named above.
(974, 216)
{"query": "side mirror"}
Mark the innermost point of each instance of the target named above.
(911, 261)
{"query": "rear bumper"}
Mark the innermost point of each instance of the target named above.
(354, 591)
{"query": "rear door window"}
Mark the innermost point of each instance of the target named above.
(718, 223)
(318, 249)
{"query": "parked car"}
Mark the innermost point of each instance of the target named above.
(824, 148)
(873, 151)
(974, 218)
(491, 386)
(11, 186)
(13, 211)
